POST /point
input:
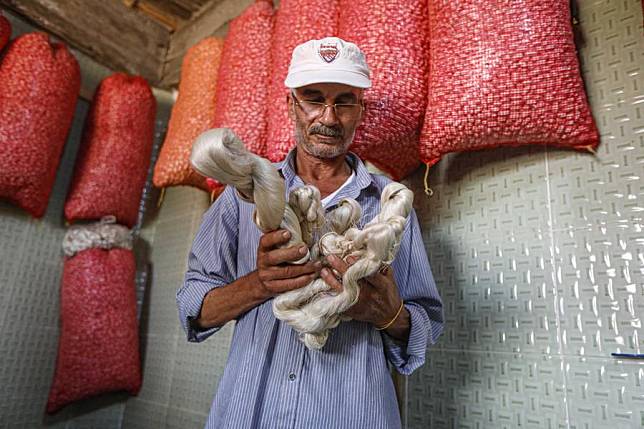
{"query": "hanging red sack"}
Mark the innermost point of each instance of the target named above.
(242, 85)
(394, 39)
(5, 31)
(192, 114)
(296, 22)
(503, 76)
(98, 346)
(39, 86)
(115, 152)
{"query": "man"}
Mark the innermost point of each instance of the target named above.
(271, 379)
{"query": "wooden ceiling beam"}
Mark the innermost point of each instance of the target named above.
(159, 13)
(142, 37)
(108, 31)
(192, 5)
(211, 22)
(173, 8)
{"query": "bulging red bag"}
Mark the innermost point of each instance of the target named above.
(5, 31)
(296, 22)
(192, 114)
(115, 152)
(98, 347)
(242, 85)
(394, 39)
(503, 76)
(39, 86)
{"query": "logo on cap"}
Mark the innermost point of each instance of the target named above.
(328, 51)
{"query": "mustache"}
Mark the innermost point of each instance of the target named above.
(325, 131)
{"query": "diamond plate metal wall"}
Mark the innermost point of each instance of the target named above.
(484, 389)
(179, 378)
(31, 262)
(539, 257)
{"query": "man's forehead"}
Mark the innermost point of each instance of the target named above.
(329, 89)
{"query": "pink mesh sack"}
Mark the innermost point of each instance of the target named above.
(98, 347)
(393, 36)
(242, 85)
(296, 22)
(115, 152)
(192, 114)
(39, 86)
(513, 80)
(5, 31)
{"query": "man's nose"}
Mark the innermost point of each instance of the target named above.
(329, 117)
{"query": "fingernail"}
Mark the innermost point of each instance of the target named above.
(331, 258)
(324, 272)
(303, 250)
(286, 234)
(318, 264)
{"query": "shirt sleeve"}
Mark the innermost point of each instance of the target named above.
(212, 262)
(421, 299)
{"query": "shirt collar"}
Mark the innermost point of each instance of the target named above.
(362, 180)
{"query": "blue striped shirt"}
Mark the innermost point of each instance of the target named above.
(271, 379)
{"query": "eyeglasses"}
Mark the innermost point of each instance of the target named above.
(315, 109)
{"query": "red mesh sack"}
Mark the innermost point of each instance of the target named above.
(394, 38)
(39, 86)
(513, 80)
(242, 85)
(5, 31)
(115, 152)
(296, 22)
(98, 347)
(192, 114)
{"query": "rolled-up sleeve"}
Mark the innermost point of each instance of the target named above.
(212, 262)
(421, 299)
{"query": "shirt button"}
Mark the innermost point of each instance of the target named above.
(291, 376)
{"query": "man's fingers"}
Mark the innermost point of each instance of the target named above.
(292, 271)
(287, 254)
(337, 263)
(380, 279)
(352, 259)
(272, 239)
(331, 280)
(281, 286)
(377, 279)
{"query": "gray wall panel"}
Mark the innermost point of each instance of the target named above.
(540, 251)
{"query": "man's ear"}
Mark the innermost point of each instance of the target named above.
(363, 110)
(291, 107)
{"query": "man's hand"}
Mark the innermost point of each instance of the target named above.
(379, 298)
(275, 274)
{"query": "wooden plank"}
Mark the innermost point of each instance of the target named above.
(108, 31)
(192, 5)
(211, 22)
(168, 20)
(169, 8)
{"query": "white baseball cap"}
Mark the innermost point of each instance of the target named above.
(328, 60)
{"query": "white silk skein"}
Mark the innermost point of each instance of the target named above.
(218, 153)
(374, 246)
(305, 202)
(345, 215)
(286, 306)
